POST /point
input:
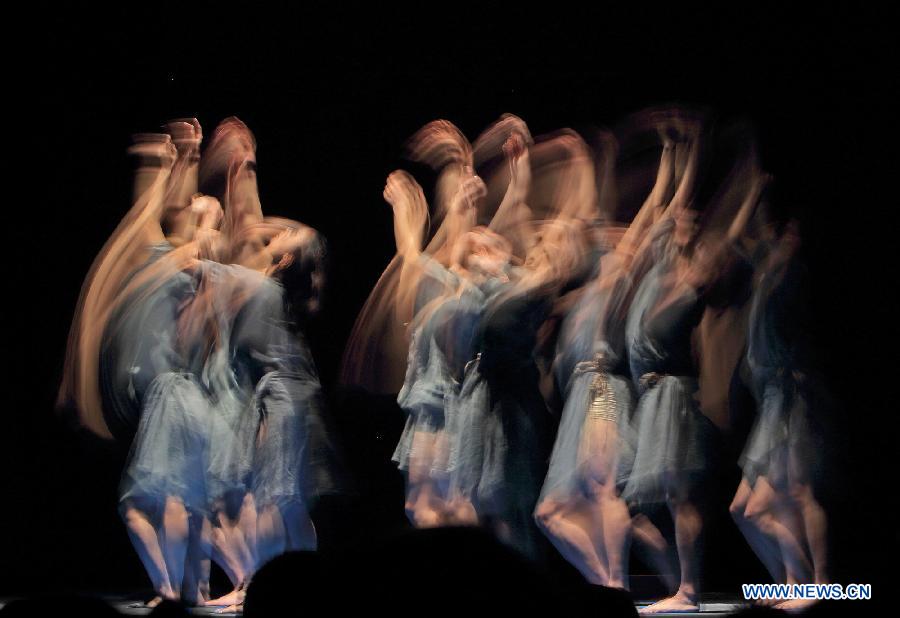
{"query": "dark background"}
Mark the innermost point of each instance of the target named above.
(331, 97)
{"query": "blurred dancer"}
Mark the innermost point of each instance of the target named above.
(775, 506)
(293, 457)
(437, 273)
(228, 171)
(580, 509)
(672, 437)
(379, 344)
(269, 459)
(125, 367)
(504, 425)
(271, 452)
(422, 451)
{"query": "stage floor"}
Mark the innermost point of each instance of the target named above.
(126, 607)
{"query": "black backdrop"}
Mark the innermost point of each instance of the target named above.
(331, 96)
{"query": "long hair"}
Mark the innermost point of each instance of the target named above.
(100, 294)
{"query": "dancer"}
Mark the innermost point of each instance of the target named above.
(124, 364)
(504, 425)
(441, 273)
(428, 372)
(580, 510)
(272, 454)
(671, 435)
(775, 506)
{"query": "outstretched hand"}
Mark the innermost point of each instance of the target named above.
(407, 200)
(154, 147)
(470, 191)
(517, 157)
(186, 133)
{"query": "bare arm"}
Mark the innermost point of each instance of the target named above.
(513, 212)
(410, 209)
(685, 190)
(735, 235)
(630, 243)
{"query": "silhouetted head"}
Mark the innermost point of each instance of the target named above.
(288, 584)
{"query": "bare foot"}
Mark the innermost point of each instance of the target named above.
(795, 605)
(678, 603)
(234, 597)
(231, 609)
(154, 602)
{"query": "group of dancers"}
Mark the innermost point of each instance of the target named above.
(562, 374)
(518, 294)
(187, 348)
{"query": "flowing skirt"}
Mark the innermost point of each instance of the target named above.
(579, 440)
(784, 440)
(295, 459)
(169, 452)
(232, 434)
(498, 458)
(674, 442)
(423, 401)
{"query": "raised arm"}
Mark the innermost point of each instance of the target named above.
(179, 220)
(513, 212)
(410, 209)
(735, 235)
(628, 246)
(687, 186)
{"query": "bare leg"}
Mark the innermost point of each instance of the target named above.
(237, 544)
(572, 540)
(233, 545)
(688, 524)
(766, 509)
(815, 524)
(616, 535)
(175, 534)
(195, 589)
(224, 557)
(650, 542)
(427, 505)
(272, 536)
(763, 545)
(615, 523)
(229, 557)
(144, 538)
(247, 525)
(206, 562)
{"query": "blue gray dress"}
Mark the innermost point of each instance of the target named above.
(280, 447)
(782, 425)
(502, 440)
(427, 377)
(168, 453)
(230, 374)
(138, 345)
(581, 337)
(454, 327)
(673, 438)
(295, 460)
